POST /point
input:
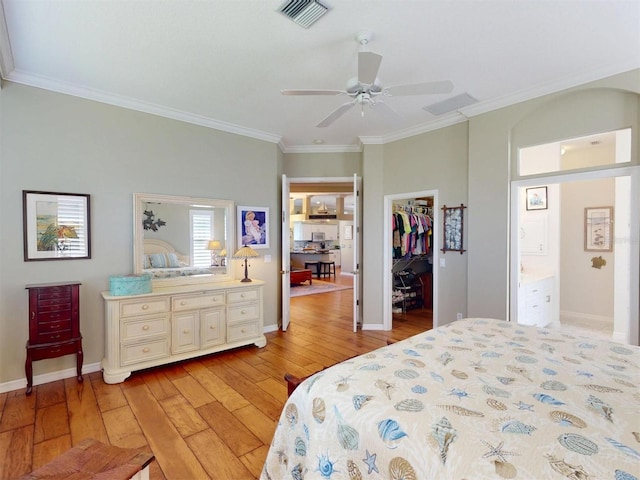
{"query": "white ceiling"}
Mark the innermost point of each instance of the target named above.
(222, 63)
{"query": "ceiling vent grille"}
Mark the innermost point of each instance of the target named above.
(303, 12)
(450, 104)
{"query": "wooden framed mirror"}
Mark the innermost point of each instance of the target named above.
(182, 240)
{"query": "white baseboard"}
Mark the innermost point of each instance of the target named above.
(48, 377)
(601, 319)
(369, 326)
(270, 328)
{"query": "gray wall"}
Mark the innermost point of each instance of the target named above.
(494, 138)
(60, 143)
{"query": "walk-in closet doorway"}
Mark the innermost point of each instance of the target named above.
(421, 269)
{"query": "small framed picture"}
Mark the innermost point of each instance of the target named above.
(253, 227)
(453, 229)
(598, 233)
(56, 226)
(537, 198)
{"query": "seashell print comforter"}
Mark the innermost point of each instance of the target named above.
(475, 399)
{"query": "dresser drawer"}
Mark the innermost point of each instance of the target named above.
(136, 329)
(243, 295)
(49, 293)
(52, 327)
(144, 352)
(58, 315)
(241, 331)
(242, 313)
(53, 351)
(190, 302)
(147, 306)
(50, 337)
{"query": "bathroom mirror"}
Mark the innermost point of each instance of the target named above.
(182, 240)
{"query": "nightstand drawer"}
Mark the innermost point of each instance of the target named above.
(136, 329)
(243, 295)
(242, 313)
(190, 302)
(242, 330)
(144, 352)
(144, 307)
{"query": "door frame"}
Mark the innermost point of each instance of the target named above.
(621, 313)
(355, 180)
(387, 290)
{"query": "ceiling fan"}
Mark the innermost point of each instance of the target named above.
(366, 88)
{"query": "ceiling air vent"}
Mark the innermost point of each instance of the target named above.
(450, 104)
(304, 12)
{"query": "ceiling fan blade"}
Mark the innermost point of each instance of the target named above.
(427, 88)
(368, 65)
(333, 116)
(312, 92)
(387, 112)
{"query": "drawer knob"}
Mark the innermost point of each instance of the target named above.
(145, 307)
(145, 350)
(53, 337)
(242, 312)
(242, 295)
(56, 350)
(145, 327)
(243, 330)
(183, 302)
(186, 330)
(212, 327)
(57, 325)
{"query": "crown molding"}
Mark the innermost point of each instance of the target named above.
(320, 148)
(548, 88)
(137, 105)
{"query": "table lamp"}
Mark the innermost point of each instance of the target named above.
(223, 257)
(214, 246)
(244, 254)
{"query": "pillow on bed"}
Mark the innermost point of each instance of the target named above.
(164, 260)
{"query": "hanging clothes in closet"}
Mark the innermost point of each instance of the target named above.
(412, 231)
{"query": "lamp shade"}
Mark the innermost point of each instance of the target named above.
(244, 254)
(214, 245)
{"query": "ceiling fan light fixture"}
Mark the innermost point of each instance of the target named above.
(303, 12)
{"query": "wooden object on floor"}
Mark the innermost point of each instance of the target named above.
(54, 325)
(301, 275)
(315, 267)
(91, 459)
(327, 269)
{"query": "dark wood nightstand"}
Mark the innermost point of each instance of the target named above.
(54, 325)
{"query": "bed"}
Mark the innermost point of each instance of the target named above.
(475, 399)
(162, 260)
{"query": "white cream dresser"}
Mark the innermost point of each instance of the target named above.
(177, 323)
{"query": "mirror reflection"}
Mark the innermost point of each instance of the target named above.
(182, 240)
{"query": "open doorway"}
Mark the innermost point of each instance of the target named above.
(571, 249)
(320, 225)
(410, 281)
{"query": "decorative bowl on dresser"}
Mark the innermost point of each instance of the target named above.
(179, 322)
(54, 325)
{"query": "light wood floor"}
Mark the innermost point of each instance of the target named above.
(211, 417)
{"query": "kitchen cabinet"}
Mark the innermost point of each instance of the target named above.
(302, 231)
(334, 256)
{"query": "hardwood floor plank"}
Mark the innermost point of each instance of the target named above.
(159, 384)
(175, 457)
(219, 462)
(49, 394)
(109, 397)
(259, 424)
(254, 460)
(183, 416)
(231, 430)
(264, 401)
(19, 411)
(51, 422)
(16, 449)
(122, 428)
(213, 384)
(85, 420)
(277, 389)
(46, 451)
(193, 391)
